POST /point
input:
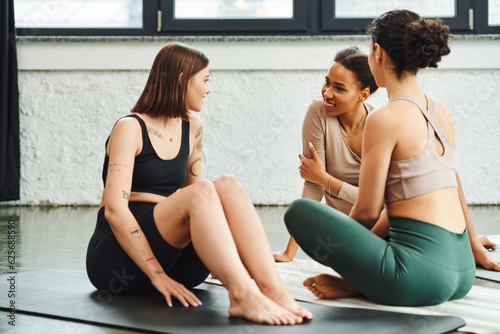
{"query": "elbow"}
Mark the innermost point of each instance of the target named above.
(365, 217)
(112, 215)
(108, 213)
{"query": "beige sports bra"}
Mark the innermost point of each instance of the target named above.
(427, 171)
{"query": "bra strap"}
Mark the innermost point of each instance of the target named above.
(428, 114)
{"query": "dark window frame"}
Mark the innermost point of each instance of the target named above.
(481, 19)
(311, 17)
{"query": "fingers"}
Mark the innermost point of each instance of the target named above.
(169, 299)
(186, 297)
(487, 243)
(192, 299)
(313, 151)
(282, 257)
(490, 245)
(183, 295)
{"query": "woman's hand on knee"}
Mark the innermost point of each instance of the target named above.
(168, 288)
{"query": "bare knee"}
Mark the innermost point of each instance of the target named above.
(203, 194)
(226, 183)
(203, 186)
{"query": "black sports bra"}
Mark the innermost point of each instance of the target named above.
(151, 173)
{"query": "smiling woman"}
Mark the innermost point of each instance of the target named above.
(332, 133)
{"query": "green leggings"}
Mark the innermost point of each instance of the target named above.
(421, 264)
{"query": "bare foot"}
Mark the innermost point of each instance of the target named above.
(254, 306)
(283, 298)
(327, 286)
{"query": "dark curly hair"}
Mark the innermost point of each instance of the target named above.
(357, 62)
(410, 41)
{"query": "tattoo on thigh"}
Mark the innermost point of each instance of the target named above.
(136, 232)
(191, 167)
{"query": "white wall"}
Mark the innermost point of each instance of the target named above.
(73, 90)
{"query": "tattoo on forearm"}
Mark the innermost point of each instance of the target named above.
(136, 232)
(155, 133)
(191, 167)
(126, 195)
(150, 259)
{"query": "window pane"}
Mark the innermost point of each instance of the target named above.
(233, 9)
(494, 12)
(78, 13)
(370, 8)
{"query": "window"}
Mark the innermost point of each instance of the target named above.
(233, 16)
(355, 15)
(83, 17)
(370, 9)
(241, 9)
(79, 13)
(493, 13)
(239, 17)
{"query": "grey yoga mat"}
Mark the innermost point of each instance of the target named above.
(70, 296)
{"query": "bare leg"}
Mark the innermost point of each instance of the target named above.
(325, 286)
(252, 244)
(195, 213)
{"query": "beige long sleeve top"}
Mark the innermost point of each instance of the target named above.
(324, 132)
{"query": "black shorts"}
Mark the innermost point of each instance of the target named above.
(110, 268)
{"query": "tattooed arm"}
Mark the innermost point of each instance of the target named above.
(194, 166)
(124, 144)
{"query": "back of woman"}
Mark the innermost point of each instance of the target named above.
(422, 181)
(408, 166)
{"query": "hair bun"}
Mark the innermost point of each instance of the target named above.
(426, 42)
